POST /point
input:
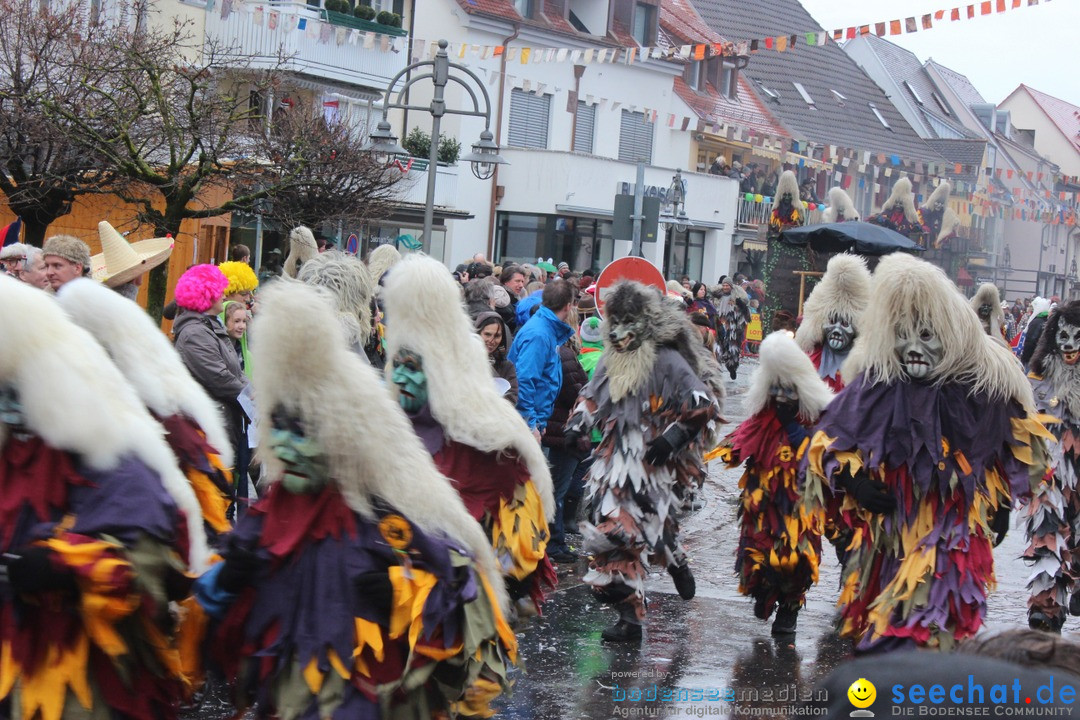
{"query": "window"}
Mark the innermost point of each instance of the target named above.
(529, 115)
(880, 117)
(839, 98)
(693, 73)
(635, 137)
(805, 95)
(576, 22)
(941, 103)
(645, 24)
(914, 92)
(524, 8)
(585, 129)
(769, 93)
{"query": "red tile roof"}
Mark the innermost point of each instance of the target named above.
(552, 21)
(679, 19)
(1064, 115)
(747, 111)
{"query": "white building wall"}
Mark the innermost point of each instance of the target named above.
(1049, 141)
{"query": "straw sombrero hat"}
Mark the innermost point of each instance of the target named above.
(120, 261)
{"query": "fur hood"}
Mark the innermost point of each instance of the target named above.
(902, 195)
(839, 202)
(76, 400)
(347, 279)
(736, 291)
(371, 449)
(844, 291)
(461, 389)
(788, 184)
(987, 294)
(782, 360)
(1069, 313)
(145, 357)
(939, 197)
(302, 247)
(669, 325)
(1039, 306)
(907, 293)
(380, 260)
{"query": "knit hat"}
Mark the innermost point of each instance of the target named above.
(590, 330)
(200, 287)
(587, 305)
(121, 262)
(564, 266)
(241, 277)
(70, 248)
(502, 297)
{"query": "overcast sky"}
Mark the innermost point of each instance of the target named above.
(1038, 46)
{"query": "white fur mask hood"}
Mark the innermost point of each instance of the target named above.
(302, 247)
(844, 290)
(839, 201)
(782, 361)
(76, 399)
(145, 357)
(306, 370)
(425, 314)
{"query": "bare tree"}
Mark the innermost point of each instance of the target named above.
(330, 177)
(42, 167)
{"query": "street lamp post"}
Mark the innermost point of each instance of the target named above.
(441, 72)
(674, 215)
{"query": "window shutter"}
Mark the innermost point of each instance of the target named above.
(635, 138)
(529, 115)
(586, 128)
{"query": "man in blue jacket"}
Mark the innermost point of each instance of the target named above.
(535, 354)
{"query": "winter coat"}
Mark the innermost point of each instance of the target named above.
(535, 354)
(1031, 339)
(500, 366)
(210, 356)
(574, 378)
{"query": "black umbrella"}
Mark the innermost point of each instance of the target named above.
(862, 237)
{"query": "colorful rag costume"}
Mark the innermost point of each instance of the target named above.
(657, 416)
(440, 374)
(831, 315)
(1052, 517)
(928, 444)
(788, 210)
(779, 538)
(359, 586)
(900, 214)
(941, 221)
(732, 317)
(97, 527)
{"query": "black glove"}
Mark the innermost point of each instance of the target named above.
(241, 566)
(1000, 522)
(377, 591)
(659, 451)
(868, 492)
(33, 570)
(571, 436)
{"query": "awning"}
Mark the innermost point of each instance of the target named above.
(794, 159)
(753, 244)
(963, 277)
(766, 153)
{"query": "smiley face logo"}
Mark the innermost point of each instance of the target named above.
(862, 693)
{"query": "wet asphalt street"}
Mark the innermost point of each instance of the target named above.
(711, 646)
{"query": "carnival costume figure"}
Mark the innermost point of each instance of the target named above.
(932, 437)
(347, 279)
(788, 210)
(779, 539)
(656, 415)
(830, 321)
(841, 208)
(98, 527)
(358, 586)
(941, 221)
(302, 247)
(987, 305)
(193, 425)
(900, 214)
(1052, 517)
(440, 374)
(732, 316)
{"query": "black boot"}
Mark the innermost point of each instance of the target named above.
(1074, 604)
(1038, 620)
(684, 581)
(732, 371)
(626, 629)
(787, 617)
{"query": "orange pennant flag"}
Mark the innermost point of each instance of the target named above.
(955, 14)
(926, 22)
(939, 15)
(499, 49)
(699, 52)
(959, 168)
(985, 8)
(1001, 6)
(781, 43)
(894, 27)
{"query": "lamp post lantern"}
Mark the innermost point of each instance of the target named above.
(674, 213)
(441, 72)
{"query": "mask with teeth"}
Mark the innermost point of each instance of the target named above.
(919, 353)
(626, 334)
(1068, 342)
(839, 334)
(411, 380)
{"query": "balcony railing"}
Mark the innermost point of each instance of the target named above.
(752, 214)
(296, 36)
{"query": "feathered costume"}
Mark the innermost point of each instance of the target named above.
(302, 247)
(732, 317)
(349, 282)
(788, 210)
(1052, 517)
(193, 426)
(941, 221)
(900, 214)
(359, 586)
(841, 208)
(657, 416)
(929, 441)
(476, 438)
(987, 305)
(830, 321)
(96, 522)
(779, 539)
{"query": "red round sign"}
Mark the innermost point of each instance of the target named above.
(627, 268)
